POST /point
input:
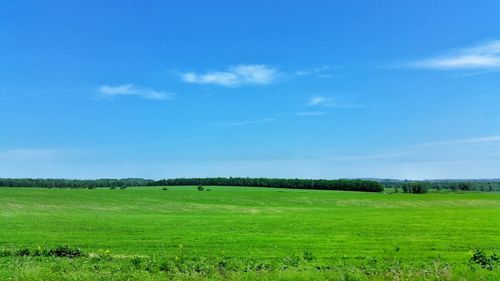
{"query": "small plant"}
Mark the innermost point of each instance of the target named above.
(165, 189)
(200, 188)
(5, 253)
(291, 261)
(23, 252)
(209, 189)
(104, 254)
(308, 256)
(136, 262)
(482, 259)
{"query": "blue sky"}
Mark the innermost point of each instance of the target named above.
(310, 89)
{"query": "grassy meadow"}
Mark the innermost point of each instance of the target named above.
(244, 233)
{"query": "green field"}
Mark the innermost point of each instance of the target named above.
(247, 233)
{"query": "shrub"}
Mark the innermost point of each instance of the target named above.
(123, 187)
(23, 252)
(112, 188)
(61, 251)
(5, 253)
(65, 251)
(165, 189)
(136, 262)
(200, 187)
(482, 259)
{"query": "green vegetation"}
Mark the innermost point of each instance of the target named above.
(415, 187)
(243, 233)
(71, 183)
(454, 185)
(341, 184)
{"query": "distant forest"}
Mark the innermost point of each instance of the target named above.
(341, 184)
(72, 183)
(454, 185)
(370, 185)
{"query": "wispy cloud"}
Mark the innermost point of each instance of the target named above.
(133, 90)
(25, 96)
(311, 113)
(243, 74)
(33, 154)
(485, 56)
(247, 122)
(314, 70)
(331, 102)
(324, 71)
(487, 139)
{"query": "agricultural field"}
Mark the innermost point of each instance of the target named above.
(245, 233)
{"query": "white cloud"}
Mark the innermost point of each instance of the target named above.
(247, 122)
(319, 100)
(242, 74)
(479, 57)
(311, 113)
(133, 90)
(331, 102)
(488, 139)
(314, 70)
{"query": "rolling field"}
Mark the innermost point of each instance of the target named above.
(147, 233)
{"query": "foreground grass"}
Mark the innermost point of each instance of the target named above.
(247, 233)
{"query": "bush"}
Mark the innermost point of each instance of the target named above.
(61, 251)
(136, 262)
(65, 251)
(165, 189)
(112, 188)
(6, 253)
(482, 259)
(23, 252)
(123, 187)
(200, 188)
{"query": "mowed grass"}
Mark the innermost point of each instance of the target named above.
(337, 227)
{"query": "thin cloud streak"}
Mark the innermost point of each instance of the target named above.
(243, 74)
(331, 102)
(314, 70)
(485, 56)
(488, 139)
(311, 113)
(247, 122)
(133, 90)
(30, 154)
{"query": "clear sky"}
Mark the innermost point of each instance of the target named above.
(309, 89)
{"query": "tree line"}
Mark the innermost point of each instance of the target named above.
(340, 184)
(72, 183)
(453, 185)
